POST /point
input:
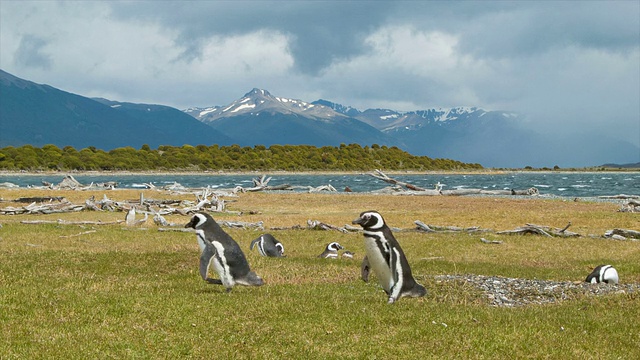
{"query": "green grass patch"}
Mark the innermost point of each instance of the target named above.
(131, 293)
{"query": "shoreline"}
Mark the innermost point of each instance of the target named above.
(318, 172)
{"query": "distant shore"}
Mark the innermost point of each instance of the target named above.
(317, 172)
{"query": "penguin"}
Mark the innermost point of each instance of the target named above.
(386, 258)
(347, 254)
(220, 250)
(603, 273)
(331, 251)
(268, 246)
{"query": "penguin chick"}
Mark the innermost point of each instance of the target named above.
(386, 258)
(603, 273)
(268, 246)
(331, 251)
(220, 250)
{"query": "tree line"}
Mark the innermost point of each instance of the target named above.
(352, 157)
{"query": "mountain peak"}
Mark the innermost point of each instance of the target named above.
(257, 92)
(261, 101)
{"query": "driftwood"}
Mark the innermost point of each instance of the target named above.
(398, 189)
(66, 222)
(47, 208)
(540, 230)
(433, 228)
(630, 206)
(620, 196)
(231, 224)
(485, 241)
(382, 176)
(622, 234)
(79, 234)
(242, 225)
(318, 225)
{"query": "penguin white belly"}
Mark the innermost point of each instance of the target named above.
(379, 265)
(200, 236)
(221, 267)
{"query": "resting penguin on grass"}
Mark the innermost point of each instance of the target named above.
(268, 246)
(386, 258)
(220, 250)
(603, 273)
(331, 251)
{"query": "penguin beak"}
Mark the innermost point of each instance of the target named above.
(358, 221)
(191, 224)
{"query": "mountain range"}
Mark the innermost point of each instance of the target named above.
(37, 114)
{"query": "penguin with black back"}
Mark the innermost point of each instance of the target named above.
(603, 273)
(331, 251)
(387, 260)
(268, 246)
(219, 250)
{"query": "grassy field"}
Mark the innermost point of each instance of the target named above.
(111, 291)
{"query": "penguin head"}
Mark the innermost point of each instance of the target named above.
(334, 246)
(198, 220)
(370, 220)
(280, 247)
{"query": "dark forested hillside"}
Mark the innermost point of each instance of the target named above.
(351, 157)
(37, 114)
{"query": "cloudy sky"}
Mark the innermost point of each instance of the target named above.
(569, 66)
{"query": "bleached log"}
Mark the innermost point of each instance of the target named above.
(178, 229)
(555, 231)
(79, 234)
(620, 196)
(626, 233)
(433, 228)
(66, 222)
(525, 230)
(485, 241)
(422, 226)
(460, 192)
(319, 225)
(382, 176)
(243, 225)
(160, 220)
(632, 206)
(142, 221)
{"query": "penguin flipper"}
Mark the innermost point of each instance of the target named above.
(205, 261)
(365, 269)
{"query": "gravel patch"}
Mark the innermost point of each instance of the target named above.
(512, 292)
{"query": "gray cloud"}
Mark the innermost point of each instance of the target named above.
(30, 53)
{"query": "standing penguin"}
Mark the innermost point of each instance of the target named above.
(268, 246)
(386, 258)
(603, 273)
(331, 251)
(220, 250)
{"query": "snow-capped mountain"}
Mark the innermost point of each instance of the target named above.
(261, 101)
(259, 118)
(468, 134)
(387, 120)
